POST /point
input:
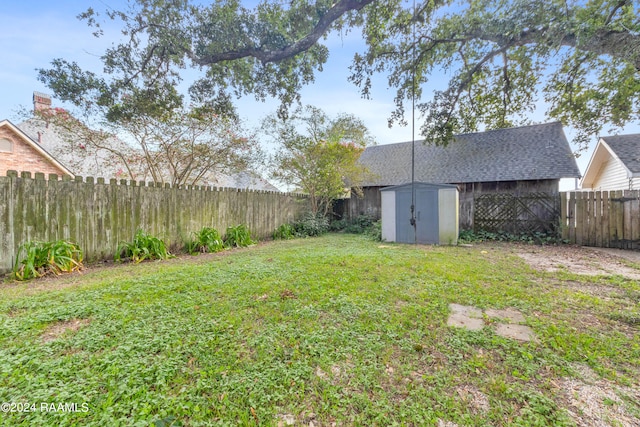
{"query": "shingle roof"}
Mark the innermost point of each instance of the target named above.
(627, 148)
(27, 139)
(522, 153)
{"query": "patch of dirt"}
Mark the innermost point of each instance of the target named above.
(577, 260)
(592, 401)
(339, 373)
(56, 330)
(442, 423)
(287, 294)
(477, 401)
(16, 312)
(601, 291)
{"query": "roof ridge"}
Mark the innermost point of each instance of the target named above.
(557, 122)
(511, 128)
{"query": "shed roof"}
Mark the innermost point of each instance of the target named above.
(524, 153)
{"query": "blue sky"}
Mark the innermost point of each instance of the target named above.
(37, 31)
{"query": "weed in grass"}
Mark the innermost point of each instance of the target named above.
(238, 237)
(144, 246)
(36, 259)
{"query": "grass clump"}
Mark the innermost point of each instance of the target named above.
(144, 246)
(36, 259)
(238, 237)
(206, 240)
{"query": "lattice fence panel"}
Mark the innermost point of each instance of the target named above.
(528, 213)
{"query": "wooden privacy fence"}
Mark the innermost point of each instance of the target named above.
(608, 219)
(99, 215)
(524, 213)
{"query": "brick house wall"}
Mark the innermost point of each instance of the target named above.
(21, 157)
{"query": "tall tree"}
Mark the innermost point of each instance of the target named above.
(583, 56)
(187, 148)
(180, 147)
(318, 155)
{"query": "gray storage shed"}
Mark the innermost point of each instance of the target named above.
(436, 214)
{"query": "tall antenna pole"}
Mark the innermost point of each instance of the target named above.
(413, 127)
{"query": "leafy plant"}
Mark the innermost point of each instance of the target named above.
(311, 225)
(362, 224)
(238, 237)
(284, 232)
(540, 238)
(208, 239)
(144, 246)
(375, 231)
(36, 259)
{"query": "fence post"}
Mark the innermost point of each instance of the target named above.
(635, 219)
(627, 232)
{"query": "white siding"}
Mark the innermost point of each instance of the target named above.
(612, 176)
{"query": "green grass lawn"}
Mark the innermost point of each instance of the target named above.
(337, 329)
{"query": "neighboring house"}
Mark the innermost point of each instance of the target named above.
(85, 160)
(528, 159)
(20, 153)
(614, 164)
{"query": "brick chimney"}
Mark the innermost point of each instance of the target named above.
(41, 101)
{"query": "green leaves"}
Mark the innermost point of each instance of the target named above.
(284, 232)
(144, 246)
(36, 259)
(322, 161)
(238, 236)
(500, 55)
(206, 240)
(496, 56)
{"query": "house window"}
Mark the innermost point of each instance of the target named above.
(6, 146)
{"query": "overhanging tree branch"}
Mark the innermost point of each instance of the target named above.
(299, 46)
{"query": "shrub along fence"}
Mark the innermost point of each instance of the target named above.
(97, 215)
(609, 219)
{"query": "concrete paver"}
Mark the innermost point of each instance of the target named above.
(469, 317)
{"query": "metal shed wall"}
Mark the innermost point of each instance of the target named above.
(436, 213)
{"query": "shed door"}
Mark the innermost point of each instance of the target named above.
(427, 226)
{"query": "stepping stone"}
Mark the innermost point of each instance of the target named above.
(517, 332)
(466, 310)
(461, 320)
(510, 314)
